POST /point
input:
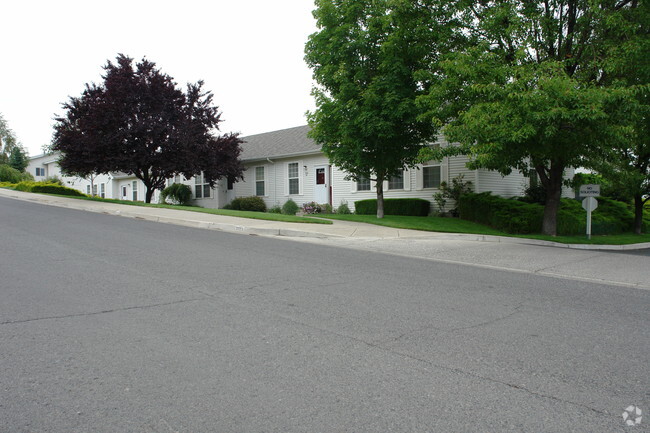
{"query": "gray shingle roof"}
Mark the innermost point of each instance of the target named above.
(276, 144)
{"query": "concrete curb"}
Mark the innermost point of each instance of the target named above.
(288, 232)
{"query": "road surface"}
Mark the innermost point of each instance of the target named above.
(111, 324)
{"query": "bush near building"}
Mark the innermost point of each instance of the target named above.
(47, 188)
(394, 206)
(518, 217)
(254, 204)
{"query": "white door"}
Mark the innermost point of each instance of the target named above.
(322, 187)
(124, 196)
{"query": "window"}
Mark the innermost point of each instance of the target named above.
(40, 171)
(294, 180)
(396, 182)
(231, 183)
(103, 190)
(431, 176)
(88, 189)
(259, 181)
(363, 184)
(94, 190)
(201, 188)
(135, 190)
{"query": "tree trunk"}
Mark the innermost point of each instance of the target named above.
(552, 182)
(149, 194)
(92, 186)
(638, 213)
(549, 224)
(380, 197)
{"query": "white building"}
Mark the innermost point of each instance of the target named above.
(286, 164)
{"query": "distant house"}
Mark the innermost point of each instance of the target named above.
(114, 185)
(287, 164)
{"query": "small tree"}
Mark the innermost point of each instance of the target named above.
(7, 141)
(457, 188)
(139, 122)
(18, 158)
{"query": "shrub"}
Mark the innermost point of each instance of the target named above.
(514, 216)
(511, 216)
(177, 193)
(326, 208)
(275, 209)
(54, 179)
(290, 207)
(24, 186)
(343, 208)
(253, 204)
(11, 175)
(441, 202)
(311, 208)
(53, 188)
(454, 191)
(394, 206)
(47, 188)
(534, 194)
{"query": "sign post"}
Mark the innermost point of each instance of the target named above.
(589, 203)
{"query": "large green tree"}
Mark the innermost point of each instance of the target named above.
(627, 68)
(530, 91)
(368, 59)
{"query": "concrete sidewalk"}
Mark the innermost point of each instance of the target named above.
(338, 229)
(629, 266)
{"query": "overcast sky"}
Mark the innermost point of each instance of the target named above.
(248, 52)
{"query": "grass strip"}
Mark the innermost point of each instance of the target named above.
(456, 225)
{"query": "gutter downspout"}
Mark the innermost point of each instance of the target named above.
(275, 183)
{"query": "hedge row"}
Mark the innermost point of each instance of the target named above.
(254, 204)
(48, 188)
(394, 206)
(514, 216)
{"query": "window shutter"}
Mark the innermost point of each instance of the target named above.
(406, 176)
(301, 177)
(419, 178)
(444, 170)
(353, 185)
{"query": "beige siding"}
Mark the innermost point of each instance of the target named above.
(276, 187)
(512, 185)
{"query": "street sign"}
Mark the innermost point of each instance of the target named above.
(589, 204)
(590, 190)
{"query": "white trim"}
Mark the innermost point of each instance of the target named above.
(419, 178)
(300, 177)
(406, 179)
(265, 177)
(431, 164)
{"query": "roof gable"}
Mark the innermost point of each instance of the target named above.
(275, 144)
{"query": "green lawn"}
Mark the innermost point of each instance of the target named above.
(455, 225)
(430, 224)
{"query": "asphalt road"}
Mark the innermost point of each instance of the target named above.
(110, 324)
